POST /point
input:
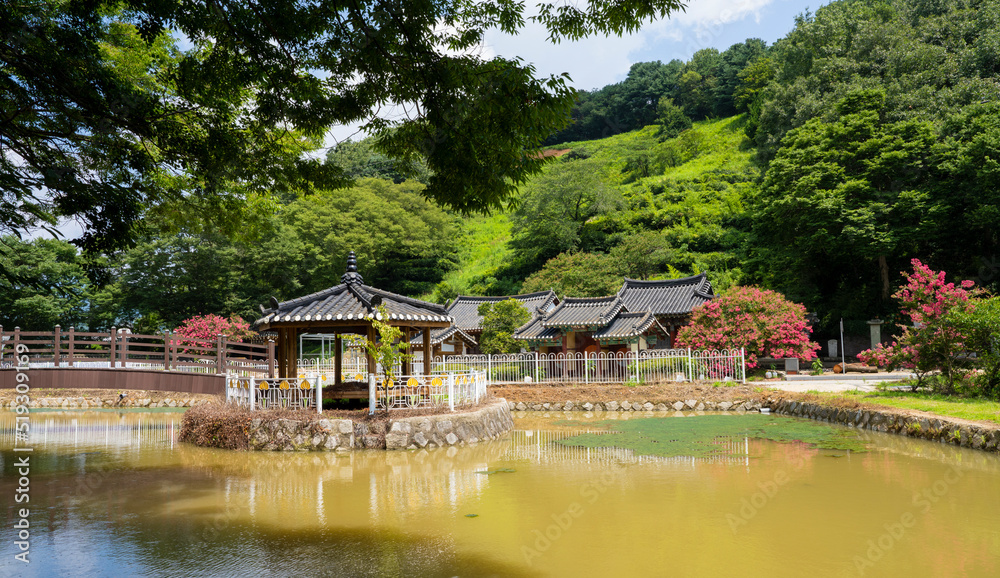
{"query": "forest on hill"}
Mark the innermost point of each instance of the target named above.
(817, 166)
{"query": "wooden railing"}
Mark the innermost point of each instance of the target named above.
(114, 349)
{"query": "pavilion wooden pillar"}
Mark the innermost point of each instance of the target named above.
(287, 353)
(427, 350)
(372, 368)
(408, 362)
(338, 359)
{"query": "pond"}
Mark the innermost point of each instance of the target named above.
(113, 493)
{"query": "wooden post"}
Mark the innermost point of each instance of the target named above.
(168, 350)
(71, 353)
(372, 367)
(407, 365)
(220, 354)
(293, 353)
(111, 347)
(17, 343)
(56, 345)
(282, 352)
(338, 359)
(427, 350)
(270, 358)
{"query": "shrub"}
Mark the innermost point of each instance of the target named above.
(203, 330)
(934, 341)
(761, 321)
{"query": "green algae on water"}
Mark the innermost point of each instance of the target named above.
(698, 436)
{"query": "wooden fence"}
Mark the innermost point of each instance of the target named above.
(113, 349)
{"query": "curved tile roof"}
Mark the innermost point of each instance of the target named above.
(353, 300)
(535, 331)
(629, 325)
(584, 311)
(666, 297)
(465, 308)
(439, 335)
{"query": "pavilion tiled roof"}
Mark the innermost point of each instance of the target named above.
(352, 300)
(440, 335)
(629, 325)
(584, 311)
(465, 308)
(666, 298)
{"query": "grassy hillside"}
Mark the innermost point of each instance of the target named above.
(689, 188)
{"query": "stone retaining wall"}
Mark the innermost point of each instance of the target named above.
(930, 428)
(439, 430)
(105, 402)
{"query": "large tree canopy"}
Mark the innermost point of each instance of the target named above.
(104, 112)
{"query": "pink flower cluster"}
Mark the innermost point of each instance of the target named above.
(761, 321)
(931, 343)
(205, 329)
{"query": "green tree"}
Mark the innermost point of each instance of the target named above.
(361, 160)
(500, 320)
(671, 119)
(981, 330)
(642, 255)
(390, 346)
(556, 207)
(105, 115)
(576, 275)
(46, 285)
(844, 204)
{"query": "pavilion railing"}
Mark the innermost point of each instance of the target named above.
(275, 393)
(646, 366)
(424, 391)
(117, 350)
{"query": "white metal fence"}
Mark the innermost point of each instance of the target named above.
(275, 393)
(417, 391)
(647, 366)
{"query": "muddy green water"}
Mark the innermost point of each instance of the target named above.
(114, 494)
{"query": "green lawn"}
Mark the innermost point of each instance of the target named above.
(945, 405)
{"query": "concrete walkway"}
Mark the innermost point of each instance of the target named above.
(836, 382)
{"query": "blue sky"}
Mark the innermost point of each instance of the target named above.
(595, 62)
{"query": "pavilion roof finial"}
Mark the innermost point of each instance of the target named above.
(351, 276)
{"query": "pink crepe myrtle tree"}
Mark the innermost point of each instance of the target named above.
(932, 342)
(204, 330)
(763, 322)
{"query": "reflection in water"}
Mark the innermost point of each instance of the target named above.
(113, 494)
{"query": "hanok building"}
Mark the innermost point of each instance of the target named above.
(463, 336)
(642, 315)
(348, 308)
(670, 300)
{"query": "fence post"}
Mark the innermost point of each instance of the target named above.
(1, 346)
(371, 393)
(743, 364)
(489, 367)
(220, 353)
(72, 332)
(253, 394)
(538, 373)
(586, 368)
(638, 371)
(451, 391)
(168, 350)
(17, 343)
(112, 341)
(690, 366)
(56, 345)
(318, 386)
(270, 358)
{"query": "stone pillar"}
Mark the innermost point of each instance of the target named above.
(875, 325)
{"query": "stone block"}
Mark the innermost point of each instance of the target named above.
(678, 405)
